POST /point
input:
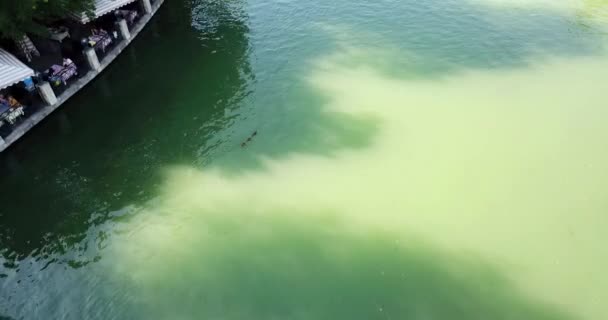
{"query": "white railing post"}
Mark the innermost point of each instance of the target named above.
(92, 60)
(124, 29)
(147, 6)
(46, 93)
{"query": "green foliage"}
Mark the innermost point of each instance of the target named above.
(28, 16)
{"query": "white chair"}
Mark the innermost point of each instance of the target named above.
(13, 115)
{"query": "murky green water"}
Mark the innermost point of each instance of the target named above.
(414, 160)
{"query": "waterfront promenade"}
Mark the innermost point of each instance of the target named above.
(27, 124)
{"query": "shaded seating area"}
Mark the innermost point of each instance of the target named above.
(104, 32)
(53, 66)
(69, 37)
(13, 89)
(55, 50)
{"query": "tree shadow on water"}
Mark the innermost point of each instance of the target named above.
(281, 268)
(425, 40)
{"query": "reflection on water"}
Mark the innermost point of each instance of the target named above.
(460, 170)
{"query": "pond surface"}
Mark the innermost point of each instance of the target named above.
(423, 160)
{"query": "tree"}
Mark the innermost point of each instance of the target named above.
(28, 16)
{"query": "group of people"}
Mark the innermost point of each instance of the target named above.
(9, 101)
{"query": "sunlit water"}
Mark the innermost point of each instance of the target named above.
(413, 160)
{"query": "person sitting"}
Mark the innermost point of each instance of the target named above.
(13, 103)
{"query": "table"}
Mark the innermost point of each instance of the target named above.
(63, 73)
(10, 114)
(100, 41)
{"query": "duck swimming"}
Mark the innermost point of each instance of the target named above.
(249, 139)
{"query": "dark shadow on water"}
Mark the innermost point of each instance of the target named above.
(311, 131)
(103, 149)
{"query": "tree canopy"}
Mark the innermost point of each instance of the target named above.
(28, 16)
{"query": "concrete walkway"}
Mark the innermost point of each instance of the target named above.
(37, 117)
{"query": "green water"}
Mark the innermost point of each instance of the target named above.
(414, 160)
